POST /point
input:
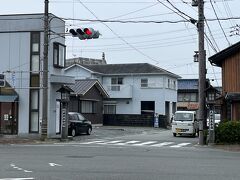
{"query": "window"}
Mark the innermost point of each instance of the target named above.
(34, 82)
(115, 83)
(88, 107)
(144, 82)
(211, 96)
(35, 63)
(187, 97)
(168, 85)
(34, 110)
(117, 80)
(109, 109)
(59, 55)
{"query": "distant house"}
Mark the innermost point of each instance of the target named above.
(82, 60)
(229, 60)
(87, 99)
(134, 89)
(187, 94)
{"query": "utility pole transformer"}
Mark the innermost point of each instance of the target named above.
(202, 73)
(44, 127)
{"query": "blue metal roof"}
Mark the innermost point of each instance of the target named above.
(187, 84)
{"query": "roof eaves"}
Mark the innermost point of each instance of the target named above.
(217, 59)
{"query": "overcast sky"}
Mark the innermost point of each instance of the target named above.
(167, 41)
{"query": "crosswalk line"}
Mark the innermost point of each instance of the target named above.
(145, 143)
(161, 144)
(109, 142)
(180, 145)
(136, 143)
(127, 143)
(92, 142)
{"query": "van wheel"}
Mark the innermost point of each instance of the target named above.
(174, 134)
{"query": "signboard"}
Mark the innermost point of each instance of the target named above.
(211, 120)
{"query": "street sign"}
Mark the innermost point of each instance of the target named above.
(211, 120)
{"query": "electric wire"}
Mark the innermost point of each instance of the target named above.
(145, 55)
(219, 23)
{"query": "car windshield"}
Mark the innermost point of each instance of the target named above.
(81, 118)
(183, 117)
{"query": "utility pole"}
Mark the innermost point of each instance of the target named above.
(202, 73)
(44, 127)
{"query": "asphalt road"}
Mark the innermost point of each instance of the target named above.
(85, 159)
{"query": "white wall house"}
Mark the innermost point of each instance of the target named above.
(21, 49)
(133, 88)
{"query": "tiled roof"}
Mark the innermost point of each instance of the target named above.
(135, 68)
(84, 85)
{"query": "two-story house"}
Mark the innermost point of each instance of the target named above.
(21, 49)
(229, 60)
(138, 88)
(187, 94)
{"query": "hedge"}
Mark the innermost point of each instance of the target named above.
(228, 132)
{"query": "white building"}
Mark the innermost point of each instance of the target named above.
(21, 49)
(133, 88)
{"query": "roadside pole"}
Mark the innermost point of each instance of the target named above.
(202, 73)
(44, 127)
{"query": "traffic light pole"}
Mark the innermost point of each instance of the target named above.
(202, 73)
(44, 127)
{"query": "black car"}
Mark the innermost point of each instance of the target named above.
(78, 124)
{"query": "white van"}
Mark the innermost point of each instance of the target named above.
(185, 122)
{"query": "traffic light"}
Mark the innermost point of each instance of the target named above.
(85, 33)
(2, 80)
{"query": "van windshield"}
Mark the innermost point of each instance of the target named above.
(183, 117)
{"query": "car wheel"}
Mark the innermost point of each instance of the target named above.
(73, 132)
(174, 134)
(89, 131)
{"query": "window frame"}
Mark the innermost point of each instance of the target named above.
(144, 84)
(56, 48)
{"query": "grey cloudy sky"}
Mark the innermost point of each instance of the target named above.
(168, 45)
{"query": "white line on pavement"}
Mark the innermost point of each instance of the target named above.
(162, 144)
(127, 143)
(17, 178)
(180, 145)
(145, 143)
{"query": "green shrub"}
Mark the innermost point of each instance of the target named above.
(228, 132)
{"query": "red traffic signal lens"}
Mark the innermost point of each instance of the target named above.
(87, 31)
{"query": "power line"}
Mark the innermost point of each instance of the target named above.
(187, 20)
(219, 22)
(119, 36)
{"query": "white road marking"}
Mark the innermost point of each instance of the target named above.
(145, 143)
(162, 144)
(54, 164)
(92, 142)
(112, 142)
(127, 143)
(19, 169)
(17, 178)
(180, 145)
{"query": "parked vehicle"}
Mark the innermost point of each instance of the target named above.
(78, 124)
(185, 123)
